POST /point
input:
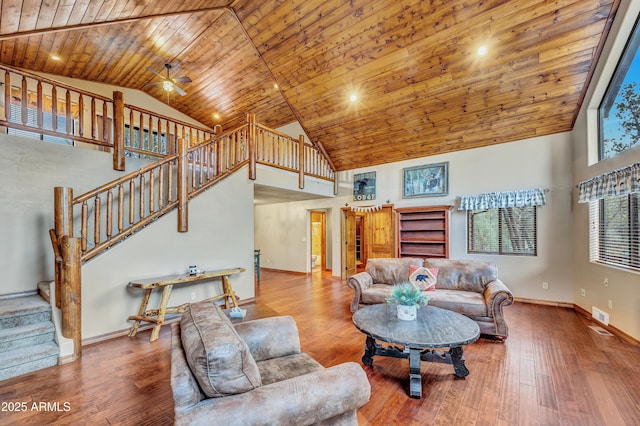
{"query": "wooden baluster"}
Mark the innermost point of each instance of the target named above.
(301, 162)
(203, 160)
(132, 205)
(94, 117)
(67, 107)
(109, 217)
(161, 186)
(209, 161)
(39, 103)
(183, 196)
(54, 109)
(140, 131)
(141, 191)
(170, 182)
(120, 208)
(151, 138)
(96, 220)
(161, 150)
(80, 114)
(131, 128)
(106, 134)
(251, 118)
(24, 102)
(84, 225)
(191, 159)
(151, 191)
(191, 143)
(7, 96)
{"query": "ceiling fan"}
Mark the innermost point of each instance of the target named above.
(169, 84)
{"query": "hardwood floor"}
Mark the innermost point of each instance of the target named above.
(552, 370)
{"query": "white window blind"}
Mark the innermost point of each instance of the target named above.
(32, 121)
(614, 234)
(504, 231)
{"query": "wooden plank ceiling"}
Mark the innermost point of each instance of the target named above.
(421, 87)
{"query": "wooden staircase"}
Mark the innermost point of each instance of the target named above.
(27, 336)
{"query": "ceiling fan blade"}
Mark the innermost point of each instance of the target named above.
(155, 72)
(179, 90)
(182, 80)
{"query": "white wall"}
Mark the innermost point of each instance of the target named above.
(29, 170)
(220, 236)
(623, 289)
(535, 163)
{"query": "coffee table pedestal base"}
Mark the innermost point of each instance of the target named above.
(453, 357)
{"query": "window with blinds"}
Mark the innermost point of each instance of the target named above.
(32, 121)
(614, 235)
(502, 231)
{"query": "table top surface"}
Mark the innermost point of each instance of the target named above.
(183, 278)
(433, 327)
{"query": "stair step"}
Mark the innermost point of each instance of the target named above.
(18, 311)
(26, 335)
(25, 360)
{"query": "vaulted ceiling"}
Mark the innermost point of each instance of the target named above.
(421, 87)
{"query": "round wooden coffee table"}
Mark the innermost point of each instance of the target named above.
(433, 328)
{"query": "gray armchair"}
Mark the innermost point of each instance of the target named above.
(290, 388)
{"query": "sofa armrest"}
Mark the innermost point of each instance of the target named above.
(271, 337)
(359, 282)
(497, 294)
(305, 399)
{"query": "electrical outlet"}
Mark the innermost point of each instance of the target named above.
(606, 282)
(193, 295)
(545, 285)
(610, 304)
(583, 292)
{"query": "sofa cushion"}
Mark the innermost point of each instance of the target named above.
(391, 271)
(283, 368)
(218, 358)
(468, 275)
(463, 302)
(423, 278)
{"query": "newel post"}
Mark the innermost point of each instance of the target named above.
(63, 225)
(71, 297)
(301, 150)
(183, 195)
(118, 131)
(251, 119)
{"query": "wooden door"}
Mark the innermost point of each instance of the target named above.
(380, 227)
(349, 243)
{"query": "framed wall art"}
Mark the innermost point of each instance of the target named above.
(364, 186)
(430, 180)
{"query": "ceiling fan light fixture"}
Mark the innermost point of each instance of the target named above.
(167, 86)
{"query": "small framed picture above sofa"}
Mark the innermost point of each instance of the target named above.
(430, 180)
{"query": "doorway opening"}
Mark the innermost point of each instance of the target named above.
(318, 241)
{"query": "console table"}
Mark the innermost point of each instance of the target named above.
(156, 316)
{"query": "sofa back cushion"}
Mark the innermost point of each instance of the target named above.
(218, 358)
(468, 275)
(391, 270)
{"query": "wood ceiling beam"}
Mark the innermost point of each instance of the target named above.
(40, 31)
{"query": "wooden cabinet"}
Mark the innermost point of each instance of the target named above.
(423, 231)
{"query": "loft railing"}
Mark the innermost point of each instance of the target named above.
(27, 107)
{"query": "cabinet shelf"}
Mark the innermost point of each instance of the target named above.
(423, 231)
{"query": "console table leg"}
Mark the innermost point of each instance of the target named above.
(141, 312)
(164, 301)
(457, 359)
(415, 378)
(369, 351)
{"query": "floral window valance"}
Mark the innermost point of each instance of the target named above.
(613, 184)
(495, 200)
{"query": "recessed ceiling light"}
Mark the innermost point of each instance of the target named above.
(216, 116)
(482, 50)
(275, 86)
(55, 57)
(353, 97)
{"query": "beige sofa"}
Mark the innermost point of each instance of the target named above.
(253, 373)
(468, 287)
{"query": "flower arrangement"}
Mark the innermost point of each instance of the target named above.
(408, 295)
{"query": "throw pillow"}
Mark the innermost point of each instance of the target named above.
(218, 357)
(423, 278)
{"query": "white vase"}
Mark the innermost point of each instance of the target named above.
(407, 313)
